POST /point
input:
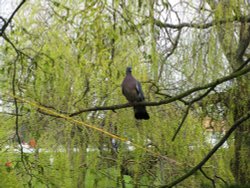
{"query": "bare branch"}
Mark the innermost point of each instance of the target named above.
(242, 19)
(19, 52)
(175, 44)
(166, 101)
(11, 114)
(212, 180)
(188, 108)
(179, 97)
(11, 17)
(220, 178)
(209, 86)
(243, 41)
(23, 160)
(210, 154)
(1, 18)
(182, 122)
(244, 64)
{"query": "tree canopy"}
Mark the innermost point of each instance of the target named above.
(65, 122)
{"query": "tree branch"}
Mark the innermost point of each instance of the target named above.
(220, 178)
(182, 122)
(6, 23)
(189, 106)
(243, 41)
(241, 19)
(204, 174)
(210, 154)
(166, 101)
(23, 160)
(243, 65)
(179, 97)
(11, 114)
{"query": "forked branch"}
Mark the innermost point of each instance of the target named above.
(172, 99)
(210, 154)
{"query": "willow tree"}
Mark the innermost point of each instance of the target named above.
(234, 39)
(62, 65)
(221, 34)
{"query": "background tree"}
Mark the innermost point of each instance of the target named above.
(62, 63)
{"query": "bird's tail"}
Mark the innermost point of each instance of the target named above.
(141, 112)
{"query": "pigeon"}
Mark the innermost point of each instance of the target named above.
(132, 90)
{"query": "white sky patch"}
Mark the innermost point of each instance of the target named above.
(7, 7)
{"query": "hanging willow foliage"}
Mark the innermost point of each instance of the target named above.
(62, 62)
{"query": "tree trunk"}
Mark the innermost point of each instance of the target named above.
(235, 50)
(241, 161)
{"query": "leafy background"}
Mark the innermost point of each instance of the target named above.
(69, 55)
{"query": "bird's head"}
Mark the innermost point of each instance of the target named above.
(129, 70)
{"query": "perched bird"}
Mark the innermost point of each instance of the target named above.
(132, 90)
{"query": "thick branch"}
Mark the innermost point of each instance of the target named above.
(243, 42)
(210, 154)
(166, 101)
(242, 19)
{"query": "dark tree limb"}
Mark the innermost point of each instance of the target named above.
(167, 101)
(242, 19)
(188, 108)
(182, 121)
(6, 23)
(243, 65)
(220, 178)
(16, 110)
(11, 114)
(19, 52)
(10, 42)
(22, 154)
(1, 18)
(169, 96)
(175, 44)
(206, 176)
(243, 41)
(210, 154)
(179, 97)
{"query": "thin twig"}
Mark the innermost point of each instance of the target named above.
(212, 180)
(188, 108)
(182, 121)
(220, 178)
(11, 114)
(14, 47)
